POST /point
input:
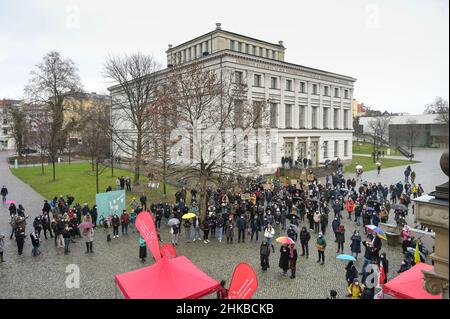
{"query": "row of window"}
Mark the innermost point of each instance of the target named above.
(252, 49)
(289, 85)
(191, 53)
(302, 117)
(336, 149)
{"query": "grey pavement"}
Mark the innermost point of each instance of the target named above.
(45, 276)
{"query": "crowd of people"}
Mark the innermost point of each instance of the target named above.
(263, 211)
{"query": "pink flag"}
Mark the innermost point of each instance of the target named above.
(146, 227)
(244, 282)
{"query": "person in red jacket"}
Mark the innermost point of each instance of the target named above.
(125, 221)
(350, 207)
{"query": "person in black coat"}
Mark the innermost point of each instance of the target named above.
(351, 273)
(47, 208)
(284, 259)
(264, 252)
(19, 233)
(45, 220)
(385, 263)
(94, 215)
(334, 225)
(323, 222)
(255, 226)
(304, 239)
(4, 192)
(241, 225)
(292, 234)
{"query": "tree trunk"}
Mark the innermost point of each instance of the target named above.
(96, 175)
(92, 163)
(112, 164)
(42, 164)
(202, 192)
(137, 165)
(69, 151)
(54, 169)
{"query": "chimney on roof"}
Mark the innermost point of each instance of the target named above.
(218, 26)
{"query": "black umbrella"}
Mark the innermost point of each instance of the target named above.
(398, 207)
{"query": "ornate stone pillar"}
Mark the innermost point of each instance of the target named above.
(432, 211)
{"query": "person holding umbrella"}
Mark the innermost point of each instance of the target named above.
(284, 258)
(264, 252)
(187, 228)
(321, 244)
(350, 273)
(293, 260)
(304, 240)
(175, 231)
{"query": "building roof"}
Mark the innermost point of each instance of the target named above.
(227, 32)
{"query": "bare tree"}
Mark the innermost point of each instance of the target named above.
(133, 77)
(51, 82)
(19, 127)
(440, 106)
(95, 141)
(379, 128)
(39, 130)
(208, 102)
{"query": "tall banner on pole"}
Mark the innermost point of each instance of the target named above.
(146, 227)
(110, 203)
(244, 282)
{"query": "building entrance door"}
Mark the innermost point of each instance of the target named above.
(301, 150)
(288, 149)
(314, 153)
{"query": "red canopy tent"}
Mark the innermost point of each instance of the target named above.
(408, 285)
(169, 278)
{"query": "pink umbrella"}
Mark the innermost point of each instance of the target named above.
(10, 202)
(85, 225)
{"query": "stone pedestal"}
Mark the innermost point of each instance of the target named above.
(432, 211)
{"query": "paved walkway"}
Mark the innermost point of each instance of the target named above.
(45, 276)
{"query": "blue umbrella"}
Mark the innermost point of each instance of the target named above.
(345, 257)
(370, 209)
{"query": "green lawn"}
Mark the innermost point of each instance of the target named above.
(367, 148)
(369, 165)
(78, 179)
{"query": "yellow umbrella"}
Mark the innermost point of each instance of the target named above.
(188, 216)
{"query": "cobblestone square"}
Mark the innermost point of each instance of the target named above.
(44, 276)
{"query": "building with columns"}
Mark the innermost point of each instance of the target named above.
(311, 108)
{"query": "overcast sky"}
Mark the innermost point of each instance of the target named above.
(397, 49)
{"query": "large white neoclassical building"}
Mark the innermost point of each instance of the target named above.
(311, 108)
